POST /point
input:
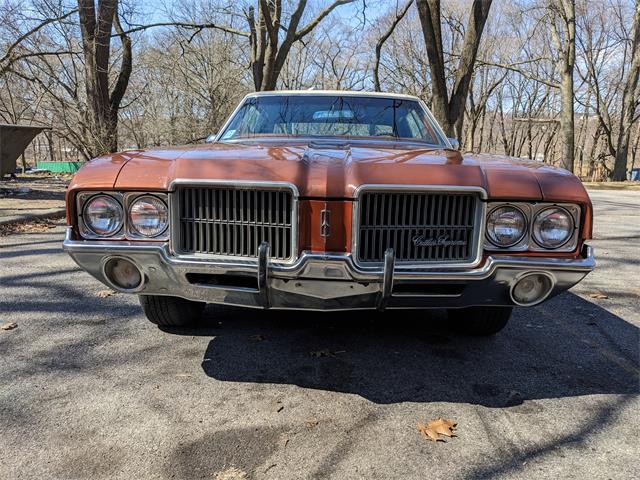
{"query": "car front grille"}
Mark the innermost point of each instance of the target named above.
(233, 221)
(421, 227)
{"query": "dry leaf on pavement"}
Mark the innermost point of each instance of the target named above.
(231, 473)
(599, 296)
(9, 325)
(106, 293)
(437, 427)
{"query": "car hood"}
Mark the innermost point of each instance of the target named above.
(331, 170)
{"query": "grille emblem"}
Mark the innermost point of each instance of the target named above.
(440, 241)
(325, 223)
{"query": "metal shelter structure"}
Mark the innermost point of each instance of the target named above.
(14, 139)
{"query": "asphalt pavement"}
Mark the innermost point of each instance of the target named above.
(90, 389)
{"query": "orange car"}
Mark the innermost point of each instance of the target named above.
(330, 201)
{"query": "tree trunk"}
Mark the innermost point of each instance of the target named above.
(102, 105)
(567, 126)
(565, 13)
(268, 54)
(629, 101)
(449, 110)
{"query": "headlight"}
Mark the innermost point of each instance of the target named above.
(506, 226)
(103, 215)
(148, 216)
(552, 227)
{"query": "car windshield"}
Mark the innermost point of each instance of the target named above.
(331, 116)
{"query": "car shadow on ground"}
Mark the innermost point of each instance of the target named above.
(567, 347)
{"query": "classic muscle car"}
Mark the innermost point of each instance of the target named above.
(330, 201)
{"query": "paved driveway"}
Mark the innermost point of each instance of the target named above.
(90, 389)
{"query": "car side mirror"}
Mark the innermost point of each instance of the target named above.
(455, 143)
(211, 138)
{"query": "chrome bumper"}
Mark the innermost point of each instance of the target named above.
(324, 281)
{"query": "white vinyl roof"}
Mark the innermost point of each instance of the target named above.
(343, 93)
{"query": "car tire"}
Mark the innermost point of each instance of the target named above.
(171, 311)
(480, 321)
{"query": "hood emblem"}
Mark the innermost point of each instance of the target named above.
(325, 223)
(439, 241)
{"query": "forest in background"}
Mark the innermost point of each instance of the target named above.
(551, 80)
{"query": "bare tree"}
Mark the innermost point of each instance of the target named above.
(268, 52)
(630, 102)
(103, 102)
(15, 51)
(563, 32)
(268, 48)
(449, 108)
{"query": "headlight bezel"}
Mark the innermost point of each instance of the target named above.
(132, 232)
(535, 219)
(83, 199)
(531, 211)
(525, 229)
(125, 199)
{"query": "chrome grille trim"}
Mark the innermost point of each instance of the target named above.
(394, 232)
(213, 228)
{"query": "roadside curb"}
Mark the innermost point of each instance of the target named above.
(27, 217)
(613, 186)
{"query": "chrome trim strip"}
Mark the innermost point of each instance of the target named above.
(341, 262)
(241, 184)
(174, 214)
(479, 224)
(530, 210)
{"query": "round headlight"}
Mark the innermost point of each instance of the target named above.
(103, 215)
(148, 216)
(506, 226)
(552, 227)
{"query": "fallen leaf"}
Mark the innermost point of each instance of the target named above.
(443, 427)
(105, 293)
(437, 427)
(599, 296)
(256, 338)
(231, 473)
(9, 326)
(426, 432)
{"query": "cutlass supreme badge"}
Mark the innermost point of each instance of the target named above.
(439, 241)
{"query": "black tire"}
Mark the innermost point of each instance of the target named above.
(480, 321)
(171, 311)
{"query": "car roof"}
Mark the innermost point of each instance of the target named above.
(343, 93)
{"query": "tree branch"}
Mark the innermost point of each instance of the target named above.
(313, 23)
(195, 26)
(383, 39)
(513, 68)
